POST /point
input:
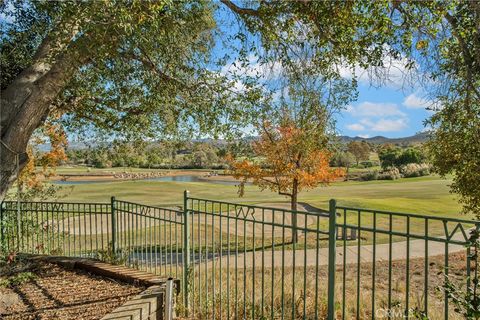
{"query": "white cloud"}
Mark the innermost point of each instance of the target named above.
(389, 125)
(385, 124)
(413, 101)
(393, 73)
(348, 72)
(377, 117)
(364, 136)
(239, 86)
(350, 109)
(373, 109)
(356, 127)
(252, 68)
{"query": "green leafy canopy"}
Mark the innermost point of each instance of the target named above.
(141, 68)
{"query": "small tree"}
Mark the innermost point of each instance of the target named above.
(204, 156)
(411, 155)
(394, 157)
(360, 150)
(388, 156)
(343, 159)
(291, 161)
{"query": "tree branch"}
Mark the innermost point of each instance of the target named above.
(240, 10)
(467, 56)
(148, 62)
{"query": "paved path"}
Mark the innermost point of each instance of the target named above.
(399, 252)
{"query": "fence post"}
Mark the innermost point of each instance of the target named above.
(186, 251)
(3, 247)
(114, 223)
(332, 237)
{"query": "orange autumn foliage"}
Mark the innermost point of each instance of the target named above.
(291, 161)
(30, 178)
(58, 142)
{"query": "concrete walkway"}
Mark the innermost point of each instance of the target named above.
(399, 252)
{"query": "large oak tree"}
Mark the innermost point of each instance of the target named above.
(131, 66)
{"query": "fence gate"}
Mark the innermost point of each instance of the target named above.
(248, 264)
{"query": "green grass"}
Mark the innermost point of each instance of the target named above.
(424, 195)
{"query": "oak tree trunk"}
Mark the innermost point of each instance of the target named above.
(25, 104)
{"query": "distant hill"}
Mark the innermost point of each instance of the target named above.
(418, 138)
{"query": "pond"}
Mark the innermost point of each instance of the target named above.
(183, 178)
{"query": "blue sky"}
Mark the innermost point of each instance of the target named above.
(387, 110)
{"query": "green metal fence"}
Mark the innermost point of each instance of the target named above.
(240, 261)
(73, 229)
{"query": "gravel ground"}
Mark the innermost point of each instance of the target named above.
(56, 293)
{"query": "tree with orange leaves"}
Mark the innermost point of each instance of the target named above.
(293, 159)
(30, 182)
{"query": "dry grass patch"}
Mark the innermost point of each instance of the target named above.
(302, 293)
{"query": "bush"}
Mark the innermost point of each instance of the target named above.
(17, 279)
(415, 170)
(466, 300)
(118, 258)
(393, 173)
(396, 157)
(370, 175)
(390, 173)
(367, 164)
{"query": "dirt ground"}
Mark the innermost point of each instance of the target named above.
(56, 293)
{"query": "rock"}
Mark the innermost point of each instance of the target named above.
(7, 300)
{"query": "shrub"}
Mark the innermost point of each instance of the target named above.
(394, 157)
(370, 175)
(390, 173)
(415, 170)
(466, 300)
(17, 279)
(118, 258)
(388, 157)
(367, 164)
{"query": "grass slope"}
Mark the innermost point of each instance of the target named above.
(425, 195)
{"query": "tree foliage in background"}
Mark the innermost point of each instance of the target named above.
(391, 156)
(152, 155)
(343, 159)
(360, 150)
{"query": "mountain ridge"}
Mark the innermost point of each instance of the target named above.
(417, 138)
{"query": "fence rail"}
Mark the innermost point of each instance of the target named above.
(241, 261)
